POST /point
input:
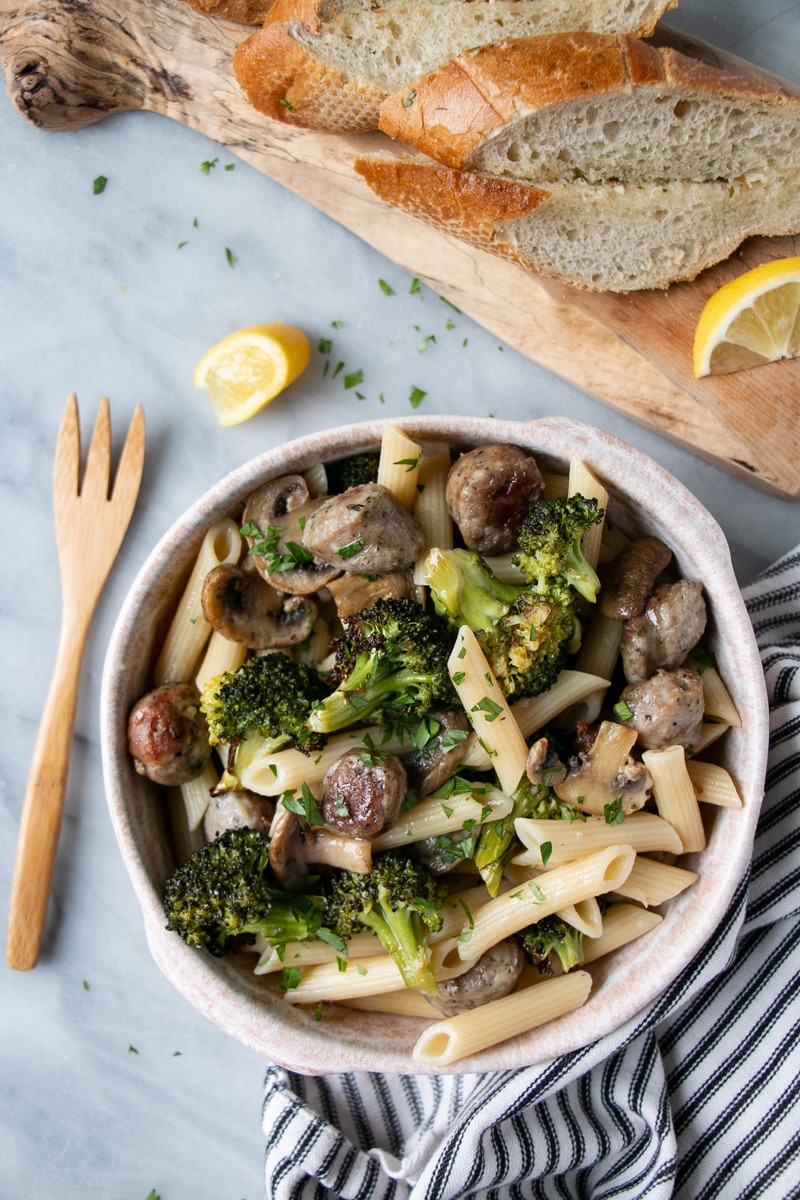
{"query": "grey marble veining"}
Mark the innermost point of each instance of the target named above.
(111, 1084)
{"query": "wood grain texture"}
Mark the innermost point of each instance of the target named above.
(68, 64)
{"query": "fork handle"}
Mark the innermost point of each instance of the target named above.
(44, 802)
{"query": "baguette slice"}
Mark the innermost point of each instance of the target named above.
(328, 64)
(567, 107)
(243, 12)
(599, 237)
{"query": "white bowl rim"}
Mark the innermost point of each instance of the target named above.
(645, 968)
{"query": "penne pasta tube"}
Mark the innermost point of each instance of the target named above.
(505, 569)
(614, 541)
(600, 646)
(584, 483)
(675, 796)
(286, 770)
(592, 875)
(446, 962)
(713, 784)
(189, 630)
(459, 908)
(430, 504)
(555, 484)
(406, 1003)
(652, 883)
(360, 977)
(534, 712)
(221, 655)
(622, 923)
(585, 916)
(398, 465)
(316, 478)
(717, 702)
(455, 1038)
(549, 844)
(184, 840)
(196, 794)
(432, 817)
(487, 709)
(710, 732)
(306, 954)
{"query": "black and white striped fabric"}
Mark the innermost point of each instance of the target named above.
(697, 1098)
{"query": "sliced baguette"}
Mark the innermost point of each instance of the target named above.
(328, 64)
(599, 237)
(243, 12)
(568, 107)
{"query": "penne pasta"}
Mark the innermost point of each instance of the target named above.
(306, 954)
(713, 784)
(184, 840)
(582, 482)
(652, 883)
(600, 646)
(286, 770)
(710, 732)
(717, 702)
(398, 466)
(432, 817)
(358, 977)
(196, 794)
(675, 796)
(406, 1003)
(550, 844)
(488, 710)
(585, 916)
(592, 875)
(221, 655)
(189, 631)
(430, 504)
(622, 923)
(455, 1038)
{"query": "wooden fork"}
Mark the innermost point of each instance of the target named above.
(90, 525)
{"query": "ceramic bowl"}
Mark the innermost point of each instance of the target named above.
(644, 499)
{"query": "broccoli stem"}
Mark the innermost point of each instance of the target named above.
(402, 934)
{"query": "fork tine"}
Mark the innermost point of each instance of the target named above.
(98, 460)
(131, 464)
(67, 466)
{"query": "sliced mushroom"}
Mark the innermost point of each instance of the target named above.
(442, 755)
(495, 974)
(667, 708)
(238, 809)
(353, 593)
(245, 608)
(295, 847)
(279, 510)
(362, 792)
(364, 530)
(606, 773)
(671, 625)
(488, 493)
(543, 766)
(168, 735)
(630, 577)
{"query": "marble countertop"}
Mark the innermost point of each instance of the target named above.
(111, 1084)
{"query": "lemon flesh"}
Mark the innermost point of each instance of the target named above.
(250, 367)
(752, 320)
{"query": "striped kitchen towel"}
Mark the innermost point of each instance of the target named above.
(697, 1098)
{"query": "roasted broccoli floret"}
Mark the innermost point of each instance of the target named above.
(222, 897)
(391, 660)
(400, 901)
(350, 472)
(526, 635)
(550, 544)
(549, 936)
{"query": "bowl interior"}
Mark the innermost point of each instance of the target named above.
(644, 499)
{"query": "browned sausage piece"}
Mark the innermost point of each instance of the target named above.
(667, 709)
(365, 529)
(671, 625)
(493, 975)
(488, 493)
(168, 735)
(629, 578)
(362, 792)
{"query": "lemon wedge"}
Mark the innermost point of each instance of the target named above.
(250, 367)
(752, 320)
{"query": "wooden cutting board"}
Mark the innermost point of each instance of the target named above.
(67, 65)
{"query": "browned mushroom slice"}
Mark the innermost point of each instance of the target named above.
(489, 491)
(296, 847)
(442, 754)
(606, 774)
(237, 809)
(274, 518)
(353, 593)
(364, 530)
(245, 608)
(362, 792)
(168, 735)
(630, 577)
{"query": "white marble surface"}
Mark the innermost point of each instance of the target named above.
(110, 1083)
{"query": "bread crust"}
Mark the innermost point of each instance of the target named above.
(454, 110)
(243, 12)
